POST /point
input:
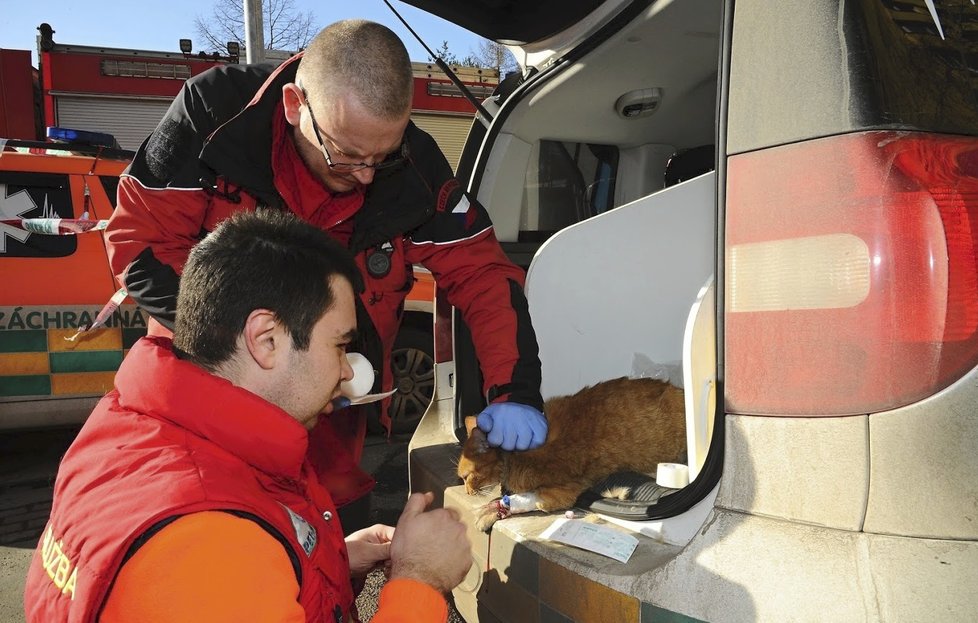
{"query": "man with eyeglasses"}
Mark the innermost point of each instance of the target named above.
(327, 135)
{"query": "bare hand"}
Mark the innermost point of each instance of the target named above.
(430, 546)
(369, 548)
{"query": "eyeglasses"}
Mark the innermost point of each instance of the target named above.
(392, 160)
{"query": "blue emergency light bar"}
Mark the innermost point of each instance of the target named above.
(82, 137)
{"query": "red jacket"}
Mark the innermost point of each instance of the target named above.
(216, 152)
(170, 440)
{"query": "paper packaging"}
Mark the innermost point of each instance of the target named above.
(592, 537)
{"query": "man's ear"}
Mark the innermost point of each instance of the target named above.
(265, 338)
(291, 102)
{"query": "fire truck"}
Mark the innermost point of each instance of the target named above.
(125, 92)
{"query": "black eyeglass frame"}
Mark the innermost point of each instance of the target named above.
(393, 159)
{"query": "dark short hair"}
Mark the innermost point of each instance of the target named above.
(266, 259)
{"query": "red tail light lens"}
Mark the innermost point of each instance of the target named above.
(851, 273)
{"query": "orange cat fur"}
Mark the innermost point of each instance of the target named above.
(618, 425)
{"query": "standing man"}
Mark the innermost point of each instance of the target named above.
(187, 495)
(327, 136)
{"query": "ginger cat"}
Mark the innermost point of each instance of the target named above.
(617, 425)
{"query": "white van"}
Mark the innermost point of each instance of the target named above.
(779, 200)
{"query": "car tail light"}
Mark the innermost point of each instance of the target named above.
(851, 273)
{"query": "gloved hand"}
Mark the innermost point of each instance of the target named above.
(513, 426)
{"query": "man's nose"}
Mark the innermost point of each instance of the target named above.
(365, 175)
(346, 370)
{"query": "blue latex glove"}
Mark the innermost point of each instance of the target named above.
(513, 426)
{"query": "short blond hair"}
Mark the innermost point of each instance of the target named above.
(364, 57)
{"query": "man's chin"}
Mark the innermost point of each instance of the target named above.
(342, 186)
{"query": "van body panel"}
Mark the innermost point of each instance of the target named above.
(811, 470)
(801, 70)
(923, 464)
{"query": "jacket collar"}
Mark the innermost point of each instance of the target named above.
(154, 382)
(305, 194)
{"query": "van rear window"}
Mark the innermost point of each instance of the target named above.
(567, 183)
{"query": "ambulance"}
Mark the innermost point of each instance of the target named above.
(65, 324)
(56, 280)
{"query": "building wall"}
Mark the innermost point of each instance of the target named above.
(449, 131)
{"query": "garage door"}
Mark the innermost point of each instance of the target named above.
(449, 131)
(129, 120)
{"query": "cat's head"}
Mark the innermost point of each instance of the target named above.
(480, 465)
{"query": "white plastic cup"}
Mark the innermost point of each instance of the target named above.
(363, 377)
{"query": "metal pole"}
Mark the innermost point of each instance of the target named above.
(254, 32)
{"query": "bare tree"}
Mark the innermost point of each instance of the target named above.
(489, 55)
(444, 54)
(286, 28)
(495, 55)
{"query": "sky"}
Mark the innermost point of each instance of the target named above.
(158, 25)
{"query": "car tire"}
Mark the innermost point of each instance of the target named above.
(413, 371)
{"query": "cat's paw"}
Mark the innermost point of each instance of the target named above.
(617, 493)
(489, 514)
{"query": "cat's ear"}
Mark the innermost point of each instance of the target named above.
(479, 441)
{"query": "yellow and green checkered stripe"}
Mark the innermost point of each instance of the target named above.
(41, 362)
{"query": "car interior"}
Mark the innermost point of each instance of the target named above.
(671, 50)
(615, 146)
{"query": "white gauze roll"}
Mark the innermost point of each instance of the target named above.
(363, 377)
(672, 475)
